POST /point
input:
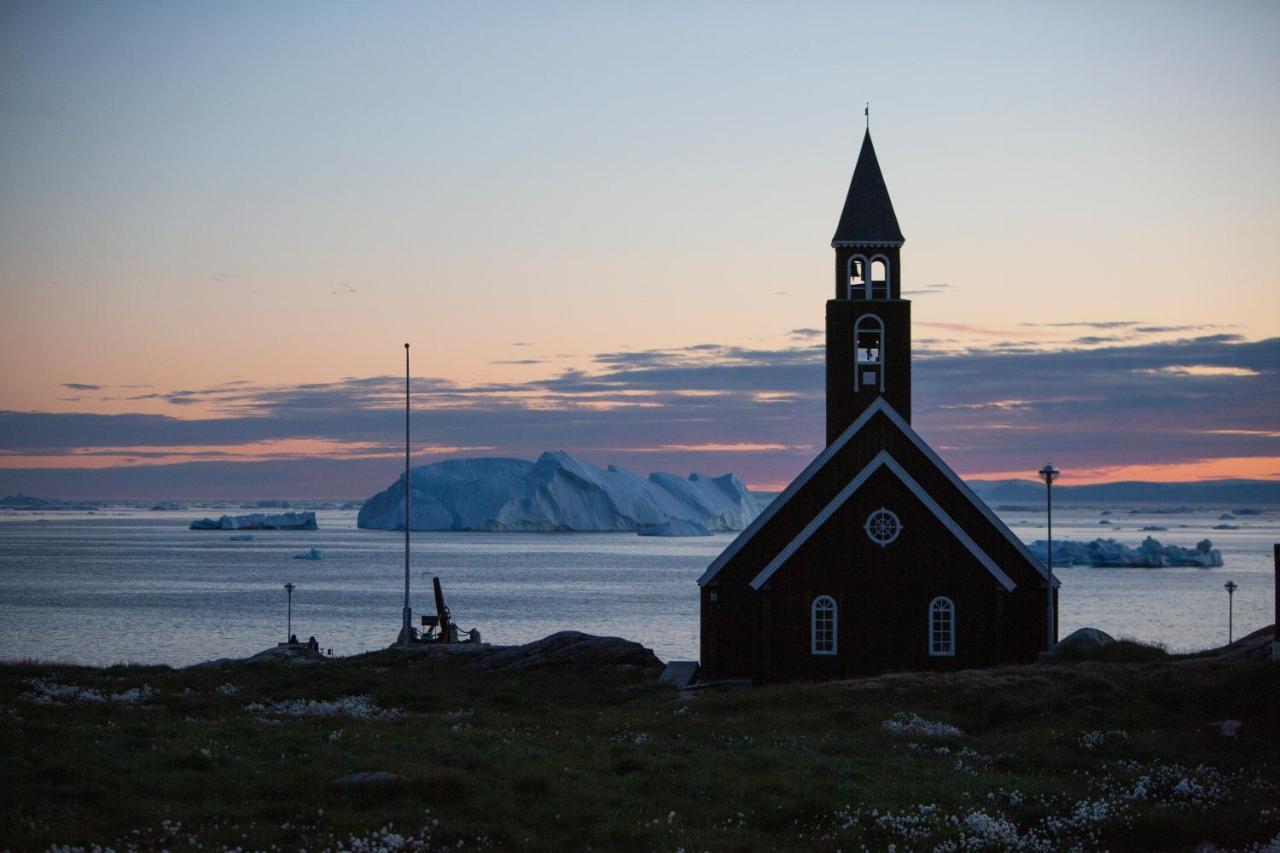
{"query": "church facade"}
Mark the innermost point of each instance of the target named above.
(877, 557)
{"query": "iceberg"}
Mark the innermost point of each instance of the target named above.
(558, 492)
(259, 521)
(313, 554)
(1108, 553)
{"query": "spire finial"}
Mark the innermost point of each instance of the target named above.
(866, 111)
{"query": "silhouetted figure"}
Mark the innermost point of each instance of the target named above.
(293, 639)
(313, 645)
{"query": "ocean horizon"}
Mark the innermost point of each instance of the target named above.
(129, 583)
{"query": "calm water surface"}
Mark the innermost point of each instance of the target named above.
(138, 586)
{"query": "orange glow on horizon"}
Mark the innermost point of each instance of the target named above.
(256, 451)
(1227, 467)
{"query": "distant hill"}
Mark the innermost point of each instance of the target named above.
(1232, 492)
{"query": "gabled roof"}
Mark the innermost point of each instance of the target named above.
(882, 460)
(868, 216)
(820, 462)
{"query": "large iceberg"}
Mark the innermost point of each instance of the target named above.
(259, 521)
(557, 493)
(1109, 553)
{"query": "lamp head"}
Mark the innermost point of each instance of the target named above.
(290, 587)
(1229, 586)
(1049, 473)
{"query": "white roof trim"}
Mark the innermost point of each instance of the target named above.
(832, 449)
(969, 493)
(882, 459)
(798, 483)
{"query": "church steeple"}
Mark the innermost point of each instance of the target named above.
(868, 216)
(868, 322)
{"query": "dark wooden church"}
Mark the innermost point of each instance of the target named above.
(877, 557)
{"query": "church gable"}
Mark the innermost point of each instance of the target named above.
(883, 527)
(836, 471)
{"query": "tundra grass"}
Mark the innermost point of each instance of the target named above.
(1085, 755)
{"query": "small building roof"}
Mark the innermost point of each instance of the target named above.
(868, 217)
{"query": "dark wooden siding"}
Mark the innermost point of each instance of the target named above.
(1010, 625)
(883, 593)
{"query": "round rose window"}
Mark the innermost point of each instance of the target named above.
(883, 526)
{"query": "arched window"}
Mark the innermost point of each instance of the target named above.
(868, 333)
(942, 627)
(878, 284)
(823, 626)
(858, 272)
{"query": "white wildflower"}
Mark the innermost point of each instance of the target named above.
(914, 724)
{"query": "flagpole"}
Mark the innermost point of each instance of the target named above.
(407, 626)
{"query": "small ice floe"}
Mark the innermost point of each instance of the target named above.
(312, 554)
(913, 724)
(359, 707)
(1108, 553)
(242, 537)
(259, 521)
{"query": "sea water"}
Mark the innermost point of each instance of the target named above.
(130, 585)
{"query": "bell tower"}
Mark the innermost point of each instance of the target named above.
(868, 321)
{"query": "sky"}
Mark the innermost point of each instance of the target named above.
(605, 228)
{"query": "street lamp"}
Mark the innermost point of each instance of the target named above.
(288, 636)
(1049, 473)
(1230, 587)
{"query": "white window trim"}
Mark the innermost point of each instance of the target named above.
(813, 626)
(866, 277)
(951, 609)
(888, 277)
(897, 531)
(857, 365)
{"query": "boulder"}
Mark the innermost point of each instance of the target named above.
(1084, 642)
(571, 649)
(285, 654)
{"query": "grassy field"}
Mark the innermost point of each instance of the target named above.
(1090, 755)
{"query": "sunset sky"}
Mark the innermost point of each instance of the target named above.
(605, 228)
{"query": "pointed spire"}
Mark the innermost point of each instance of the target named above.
(868, 215)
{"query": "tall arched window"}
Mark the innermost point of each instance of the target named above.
(858, 272)
(878, 282)
(942, 627)
(868, 335)
(822, 635)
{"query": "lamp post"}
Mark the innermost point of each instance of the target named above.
(288, 631)
(1049, 473)
(1230, 587)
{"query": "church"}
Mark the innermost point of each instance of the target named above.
(877, 557)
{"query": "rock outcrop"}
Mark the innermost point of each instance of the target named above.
(570, 650)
